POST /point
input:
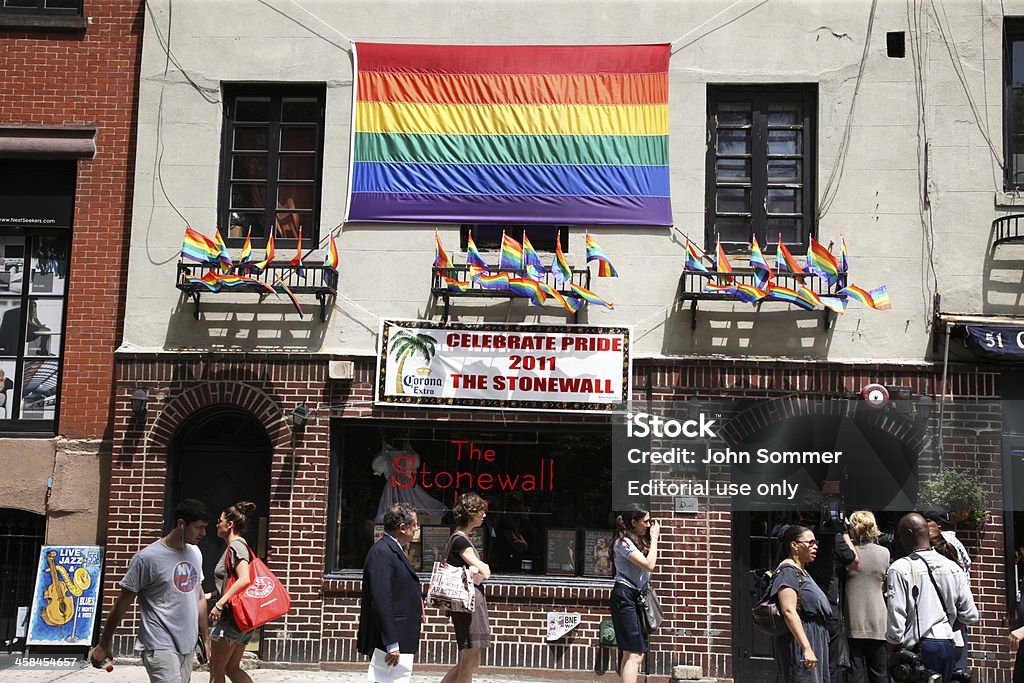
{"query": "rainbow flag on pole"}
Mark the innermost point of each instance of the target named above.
(596, 253)
(269, 256)
(531, 261)
(246, 256)
(589, 296)
(693, 261)
(560, 266)
(722, 264)
(441, 258)
(877, 298)
(331, 257)
(762, 273)
(821, 261)
(223, 256)
(784, 261)
(476, 263)
(511, 256)
(198, 247)
(572, 134)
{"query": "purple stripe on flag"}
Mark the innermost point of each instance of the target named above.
(401, 207)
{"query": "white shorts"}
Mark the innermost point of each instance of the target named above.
(167, 666)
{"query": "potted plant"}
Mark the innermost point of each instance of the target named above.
(960, 494)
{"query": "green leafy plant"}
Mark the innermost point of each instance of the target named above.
(960, 494)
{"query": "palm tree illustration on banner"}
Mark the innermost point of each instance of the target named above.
(404, 344)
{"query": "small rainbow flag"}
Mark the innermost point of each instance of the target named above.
(560, 266)
(476, 263)
(834, 303)
(511, 256)
(457, 285)
(246, 256)
(809, 295)
(531, 261)
(209, 281)
(822, 262)
(877, 299)
(241, 280)
(784, 261)
(746, 293)
(198, 247)
(524, 286)
(762, 273)
(571, 304)
(596, 253)
(296, 261)
(223, 256)
(497, 281)
(780, 293)
(589, 296)
(295, 302)
(441, 258)
(722, 264)
(331, 257)
(269, 255)
(693, 260)
(844, 258)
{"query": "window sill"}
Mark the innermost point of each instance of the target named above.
(1010, 199)
(12, 20)
(336, 582)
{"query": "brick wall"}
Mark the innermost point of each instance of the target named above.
(86, 78)
(695, 573)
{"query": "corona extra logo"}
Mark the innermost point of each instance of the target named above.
(260, 587)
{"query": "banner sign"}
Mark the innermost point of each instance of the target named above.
(506, 366)
(66, 596)
(1002, 340)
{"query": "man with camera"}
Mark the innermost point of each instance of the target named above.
(927, 598)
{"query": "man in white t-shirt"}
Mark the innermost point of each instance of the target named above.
(167, 578)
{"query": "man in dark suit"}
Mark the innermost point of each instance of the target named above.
(391, 610)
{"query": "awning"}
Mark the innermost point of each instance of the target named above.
(47, 142)
(1001, 336)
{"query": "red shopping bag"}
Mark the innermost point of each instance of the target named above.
(263, 600)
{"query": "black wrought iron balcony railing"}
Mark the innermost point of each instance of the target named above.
(318, 280)
(691, 288)
(1007, 229)
(438, 287)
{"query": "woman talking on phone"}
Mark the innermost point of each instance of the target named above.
(227, 641)
(635, 554)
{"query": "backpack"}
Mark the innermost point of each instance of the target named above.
(765, 614)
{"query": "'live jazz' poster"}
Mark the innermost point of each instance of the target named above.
(66, 596)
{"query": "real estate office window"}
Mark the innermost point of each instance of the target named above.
(271, 164)
(36, 206)
(760, 165)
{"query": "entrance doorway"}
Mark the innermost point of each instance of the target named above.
(21, 537)
(222, 455)
(877, 472)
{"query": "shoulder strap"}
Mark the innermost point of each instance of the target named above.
(938, 593)
(227, 554)
(451, 541)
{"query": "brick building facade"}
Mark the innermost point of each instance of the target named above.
(68, 101)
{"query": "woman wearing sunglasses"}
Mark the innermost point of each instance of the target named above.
(802, 653)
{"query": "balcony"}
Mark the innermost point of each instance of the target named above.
(691, 286)
(1007, 229)
(580, 278)
(320, 281)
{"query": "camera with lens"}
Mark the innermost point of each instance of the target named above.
(832, 519)
(906, 666)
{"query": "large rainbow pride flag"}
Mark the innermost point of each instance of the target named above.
(511, 134)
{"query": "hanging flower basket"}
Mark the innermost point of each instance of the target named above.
(960, 494)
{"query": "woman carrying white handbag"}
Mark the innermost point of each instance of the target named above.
(472, 631)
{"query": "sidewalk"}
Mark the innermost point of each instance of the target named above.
(127, 673)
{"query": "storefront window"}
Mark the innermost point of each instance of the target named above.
(549, 508)
(36, 202)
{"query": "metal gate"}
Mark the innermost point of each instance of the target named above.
(21, 537)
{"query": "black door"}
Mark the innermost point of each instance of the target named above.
(754, 551)
(21, 537)
(221, 456)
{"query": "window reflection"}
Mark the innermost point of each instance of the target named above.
(39, 390)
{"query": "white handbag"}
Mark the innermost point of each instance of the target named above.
(451, 587)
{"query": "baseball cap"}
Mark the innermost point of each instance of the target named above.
(936, 513)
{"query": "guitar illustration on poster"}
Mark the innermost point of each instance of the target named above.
(66, 595)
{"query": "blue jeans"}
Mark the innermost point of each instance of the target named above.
(938, 656)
